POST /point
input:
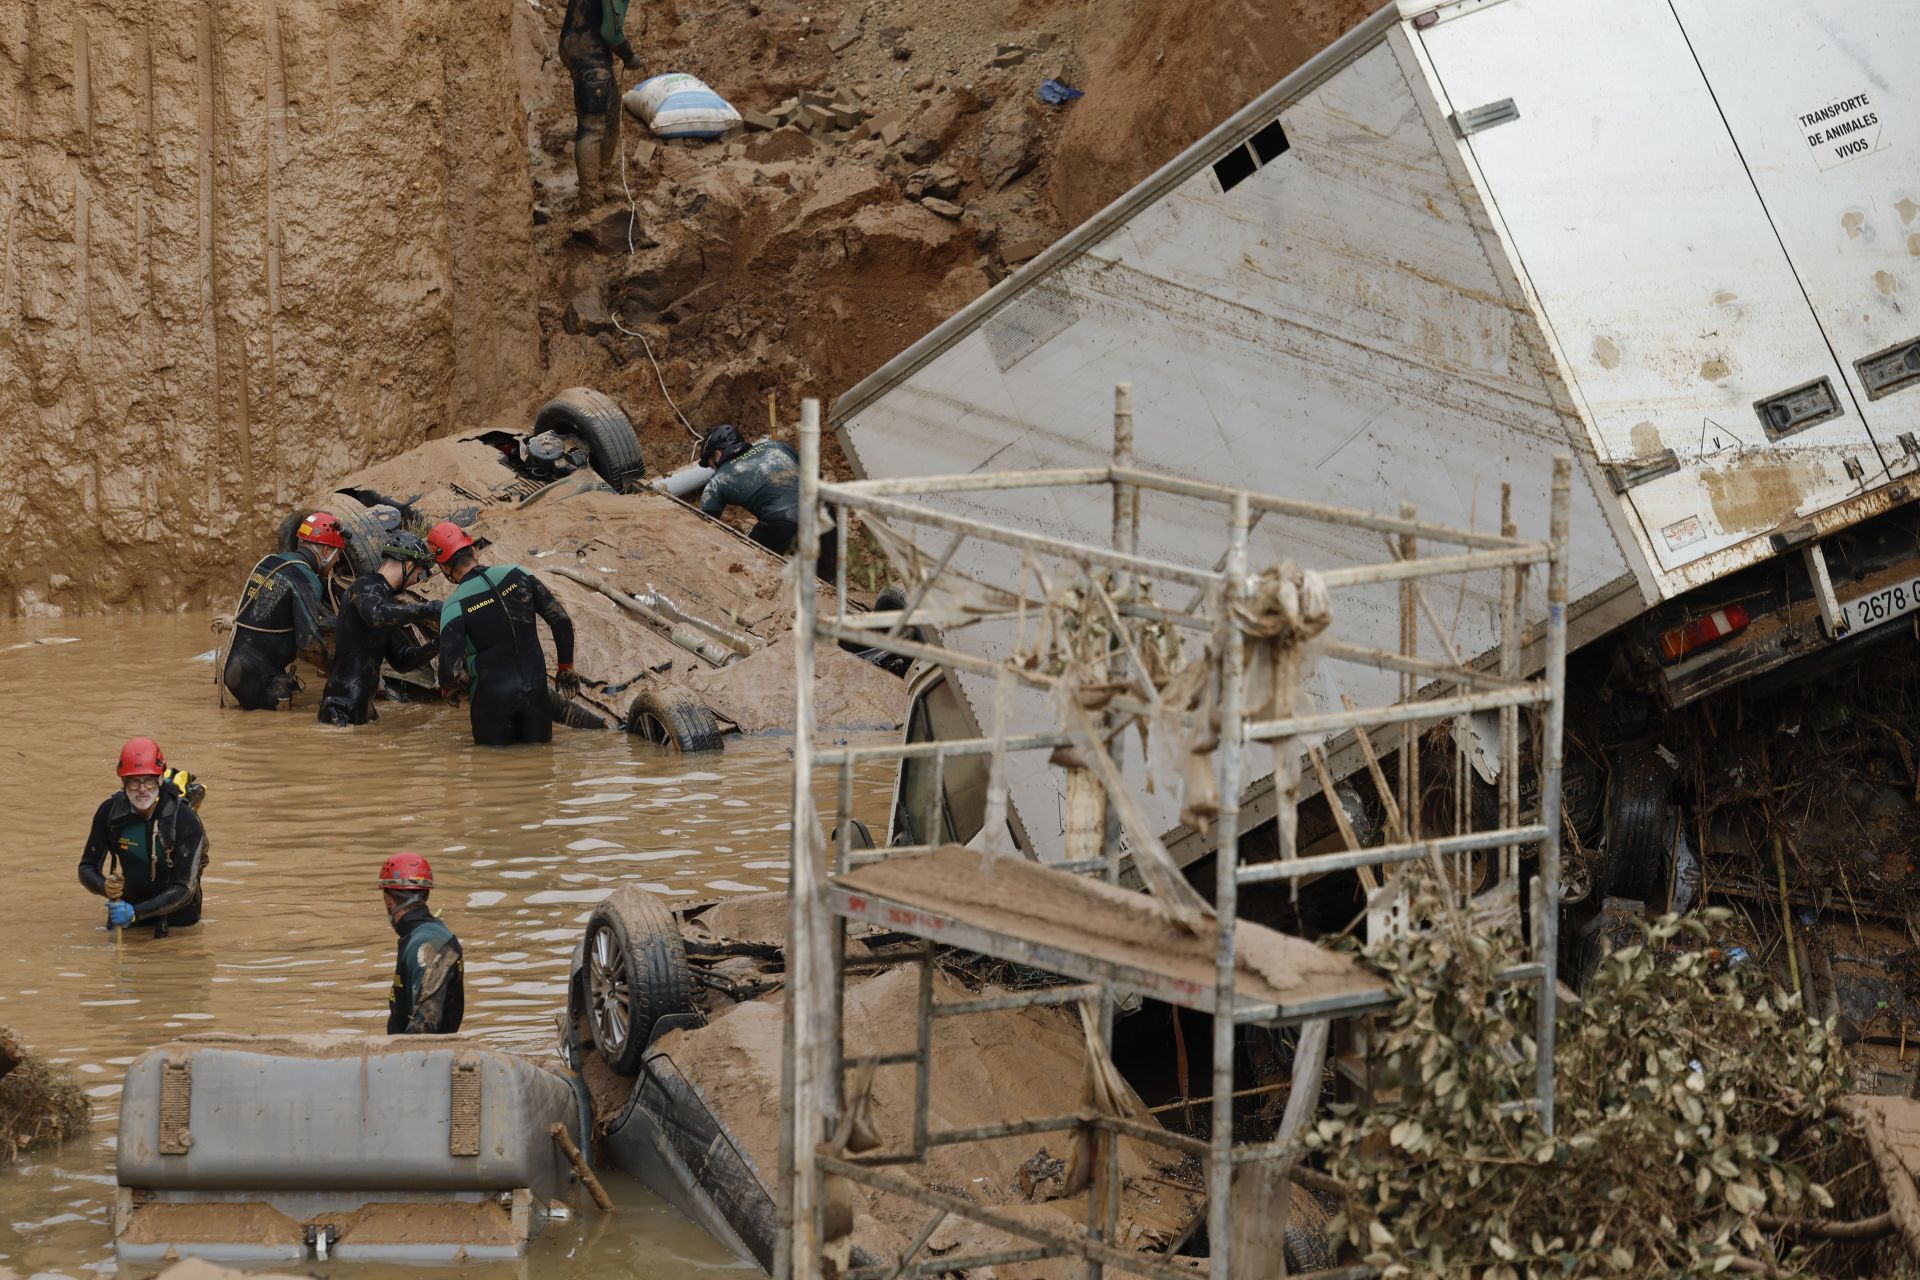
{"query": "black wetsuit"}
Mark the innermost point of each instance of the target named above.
(283, 615)
(372, 629)
(592, 34)
(159, 856)
(487, 626)
(765, 479)
(428, 996)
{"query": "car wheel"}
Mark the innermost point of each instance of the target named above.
(669, 716)
(365, 534)
(636, 973)
(595, 418)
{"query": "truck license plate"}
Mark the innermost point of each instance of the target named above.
(1878, 606)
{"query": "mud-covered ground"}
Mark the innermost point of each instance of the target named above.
(245, 251)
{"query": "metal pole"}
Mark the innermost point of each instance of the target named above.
(1409, 687)
(1509, 781)
(1553, 756)
(1226, 898)
(800, 1088)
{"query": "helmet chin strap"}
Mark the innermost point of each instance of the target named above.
(402, 904)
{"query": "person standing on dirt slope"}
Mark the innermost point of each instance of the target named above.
(765, 479)
(487, 627)
(428, 996)
(372, 629)
(282, 616)
(592, 34)
(146, 848)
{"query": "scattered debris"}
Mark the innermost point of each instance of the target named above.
(1700, 1120)
(39, 1104)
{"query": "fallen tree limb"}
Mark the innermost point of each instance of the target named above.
(1874, 1228)
(565, 1142)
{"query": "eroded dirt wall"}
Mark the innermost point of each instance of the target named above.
(246, 246)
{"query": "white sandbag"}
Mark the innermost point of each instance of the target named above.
(677, 105)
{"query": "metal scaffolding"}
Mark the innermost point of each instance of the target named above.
(1091, 635)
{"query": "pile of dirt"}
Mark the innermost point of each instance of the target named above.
(788, 262)
(39, 1104)
(250, 250)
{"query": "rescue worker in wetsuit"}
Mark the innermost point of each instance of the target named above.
(487, 629)
(372, 630)
(428, 996)
(283, 615)
(765, 479)
(146, 849)
(591, 35)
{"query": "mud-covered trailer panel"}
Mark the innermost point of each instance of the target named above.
(1329, 298)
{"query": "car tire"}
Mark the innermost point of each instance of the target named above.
(1639, 826)
(609, 435)
(365, 534)
(636, 973)
(669, 716)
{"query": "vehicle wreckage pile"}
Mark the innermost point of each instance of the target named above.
(679, 619)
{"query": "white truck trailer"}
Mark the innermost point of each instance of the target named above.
(1679, 238)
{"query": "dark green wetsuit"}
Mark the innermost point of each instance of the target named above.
(159, 856)
(487, 627)
(428, 995)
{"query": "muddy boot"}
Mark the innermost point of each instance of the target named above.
(612, 177)
(589, 162)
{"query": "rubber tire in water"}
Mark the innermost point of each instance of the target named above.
(669, 716)
(1639, 826)
(610, 437)
(636, 972)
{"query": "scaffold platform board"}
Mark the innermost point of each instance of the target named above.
(1013, 909)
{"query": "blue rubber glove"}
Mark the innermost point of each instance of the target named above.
(119, 915)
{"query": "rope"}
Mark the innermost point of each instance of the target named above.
(633, 214)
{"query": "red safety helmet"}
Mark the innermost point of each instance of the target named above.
(323, 529)
(406, 870)
(447, 539)
(141, 758)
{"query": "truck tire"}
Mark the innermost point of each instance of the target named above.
(669, 716)
(365, 534)
(595, 418)
(1639, 827)
(636, 972)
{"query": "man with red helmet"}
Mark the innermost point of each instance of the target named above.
(146, 849)
(284, 614)
(487, 627)
(428, 996)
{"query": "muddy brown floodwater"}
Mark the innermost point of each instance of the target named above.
(294, 938)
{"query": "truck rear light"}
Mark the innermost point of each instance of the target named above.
(1702, 631)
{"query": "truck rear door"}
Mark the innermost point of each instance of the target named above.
(1697, 359)
(1818, 100)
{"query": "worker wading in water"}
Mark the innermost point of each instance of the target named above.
(591, 36)
(372, 630)
(428, 997)
(487, 629)
(283, 616)
(765, 479)
(147, 848)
